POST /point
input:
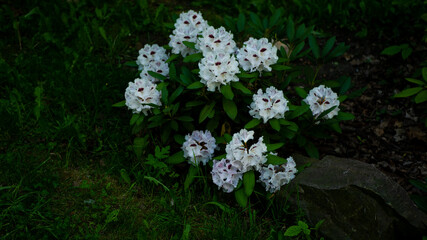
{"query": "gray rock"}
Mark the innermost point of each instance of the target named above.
(356, 200)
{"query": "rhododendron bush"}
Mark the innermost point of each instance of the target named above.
(233, 103)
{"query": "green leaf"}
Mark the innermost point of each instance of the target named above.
(247, 75)
(253, 123)
(406, 52)
(196, 85)
(318, 224)
(227, 92)
(172, 57)
(298, 111)
(345, 86)
(139, 145)
(416, 81)
(157, 75)
(301, 92)
(134, 118)
(314, 46)
(186, 80)
(408, 92)
(241, 87)
(326, 112)
(120, 104)
(103, 34)
(241, 22)
(290, 30)
(191, 45)
(279, 67)
(176, 158)
(421, 97)
(256, 20)
(241, 197)
(328, 46)
(311, 150)
(420, 201)
(176, 94)
(293, 231)
(206, 111)
(179, 139)
(131, 64)
(193, 57)
(194, 103)
(185, 119)
(298, 48)
(424, 73)
(192, 171)
(274, 123)
(230, 108)
(418, 184)
(392, 50)
(291, 125)
(125, 176)
(344, 116)
(274, 146)
(275, 18)
(249, 182)
(303, 225)
(275, 160)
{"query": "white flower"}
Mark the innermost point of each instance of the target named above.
(273, 177)
(151, 53)
(242, 153)
(218, 69)
(257, 55)
(320, 99)
(268, 105)
(199, 147)
(159, 67)
(216, 40)
(140, 93)
(226, 174)
(187, 27)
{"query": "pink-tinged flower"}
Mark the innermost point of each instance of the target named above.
(199, 147)
(226, 174)
(273, 177)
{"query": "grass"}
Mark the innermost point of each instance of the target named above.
(68, 170)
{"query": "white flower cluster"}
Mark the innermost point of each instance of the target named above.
(268, 105)
(273, 177)
(257, 55)
(241, 157)
(320, 99)
(216, 41)
(218, 69)
(187, 27)
(226, 174)
(199, 147)
(249, 156)
(141, 93)
(152, 58)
